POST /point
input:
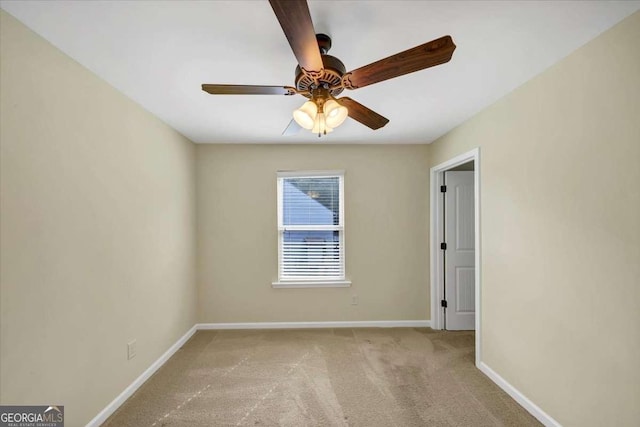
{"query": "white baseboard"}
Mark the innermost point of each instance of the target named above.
(309, 325)
(115, 404)
(527, 404)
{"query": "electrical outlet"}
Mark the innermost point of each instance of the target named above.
(354, 299)
(131, 349)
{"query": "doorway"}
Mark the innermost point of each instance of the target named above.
(455, 245)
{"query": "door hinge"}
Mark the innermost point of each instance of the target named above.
(443, 246)
(443, 303)
(443, 188)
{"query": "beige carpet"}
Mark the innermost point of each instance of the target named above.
(322, 377)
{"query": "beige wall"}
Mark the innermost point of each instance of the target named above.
(97, 231)
(560, 165)
(386, 232)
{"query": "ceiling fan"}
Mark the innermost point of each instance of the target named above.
(321, 77)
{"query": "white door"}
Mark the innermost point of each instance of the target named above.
(459, 255)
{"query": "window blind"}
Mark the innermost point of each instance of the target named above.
(310, 228)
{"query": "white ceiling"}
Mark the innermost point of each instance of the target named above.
(159, 52)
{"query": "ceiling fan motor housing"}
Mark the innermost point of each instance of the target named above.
(331, 74)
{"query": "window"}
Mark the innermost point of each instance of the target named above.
(311, 229)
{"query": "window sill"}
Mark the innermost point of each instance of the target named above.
(312, 284)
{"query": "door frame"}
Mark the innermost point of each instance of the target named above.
(436, 232)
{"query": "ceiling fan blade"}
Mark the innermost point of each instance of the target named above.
(363, 114)
(247, 90)
(292, 129)
(295, 20)
(427, 55)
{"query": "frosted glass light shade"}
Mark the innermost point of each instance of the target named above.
(305, 116)
(320, 125)
(334, 113)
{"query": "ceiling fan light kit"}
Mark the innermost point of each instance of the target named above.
(321, 77)
(321, 114)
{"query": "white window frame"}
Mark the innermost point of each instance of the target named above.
(340, 282)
